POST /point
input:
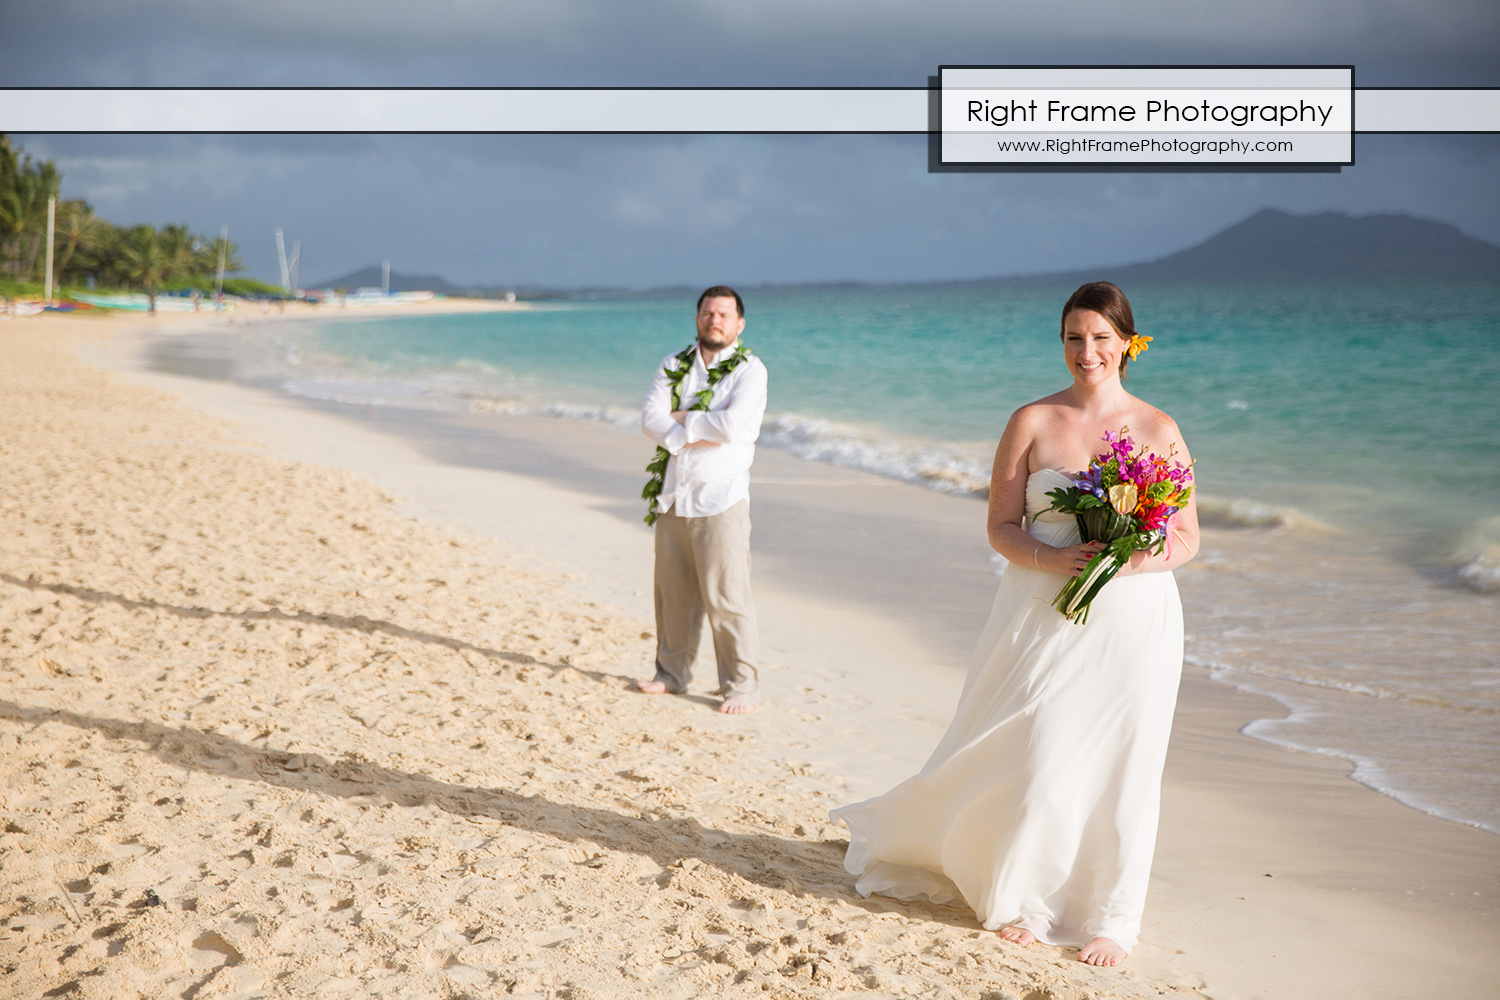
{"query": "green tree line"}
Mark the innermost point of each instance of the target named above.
(89, 250)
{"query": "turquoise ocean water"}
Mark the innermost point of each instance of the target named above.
(1358, 420)
(1372, 405)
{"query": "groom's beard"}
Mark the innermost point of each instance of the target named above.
(716, 347)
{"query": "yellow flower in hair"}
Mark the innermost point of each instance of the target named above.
(1137, 345)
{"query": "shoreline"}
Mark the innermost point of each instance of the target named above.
(1231, 804)
(1262, 592)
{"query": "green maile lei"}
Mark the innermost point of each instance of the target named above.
(701, 401)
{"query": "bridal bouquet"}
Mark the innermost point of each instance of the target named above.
(1127, 499)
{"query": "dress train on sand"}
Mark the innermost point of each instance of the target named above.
(1039, 806)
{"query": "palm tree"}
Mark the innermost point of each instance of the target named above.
(210, 253)
(179, 246)
(88, 246)
(78, 229)
(99, 258)
(24, 189)
(145, 262)
(10, 204)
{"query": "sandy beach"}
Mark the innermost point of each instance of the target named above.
(299, 700)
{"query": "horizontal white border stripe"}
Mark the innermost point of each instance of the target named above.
(1392, 110)
(465, 110)
(585, 110)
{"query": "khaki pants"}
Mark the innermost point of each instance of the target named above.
(703, 571)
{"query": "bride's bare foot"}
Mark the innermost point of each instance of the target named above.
(733, 706)
(1101, 951)
(1017, 935)
(651, 687)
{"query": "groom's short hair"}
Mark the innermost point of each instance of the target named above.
(724, 292)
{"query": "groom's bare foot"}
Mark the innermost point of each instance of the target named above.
(1101, 951)
(651, 687)
(733, 706)
(1017, 935)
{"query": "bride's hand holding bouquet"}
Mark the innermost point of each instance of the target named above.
(1069, 560)
(1126, 501)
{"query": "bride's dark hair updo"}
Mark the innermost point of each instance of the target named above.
(1106, 299)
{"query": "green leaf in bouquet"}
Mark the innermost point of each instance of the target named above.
(1077, 595)
(1101, 523)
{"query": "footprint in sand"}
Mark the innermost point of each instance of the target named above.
(216, 951)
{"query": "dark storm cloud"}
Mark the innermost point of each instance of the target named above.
(644, 211)
(683, 42)
(653, 210)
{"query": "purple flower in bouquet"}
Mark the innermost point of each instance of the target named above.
(1091, 480)
(1142, 494)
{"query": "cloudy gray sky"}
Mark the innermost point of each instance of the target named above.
(643, 211)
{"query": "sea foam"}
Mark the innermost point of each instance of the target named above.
(1310, 726)
(957, 468)
(1482, 573)
(1222, 512)
(946, 468)
(1471, 554)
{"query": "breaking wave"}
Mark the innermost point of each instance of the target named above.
(1471, 554)
(958, 469)
(1221, 512)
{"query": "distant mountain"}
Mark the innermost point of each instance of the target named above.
(369, 277)
(1275, 245)
(1270, 245)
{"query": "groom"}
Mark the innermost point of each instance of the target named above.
(701, 510)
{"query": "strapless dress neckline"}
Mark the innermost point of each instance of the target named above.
(1038, 504)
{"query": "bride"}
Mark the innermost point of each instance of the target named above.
(1038, 808)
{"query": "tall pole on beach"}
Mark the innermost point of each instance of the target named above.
(385, 278)
(223, 250)
(51, 229)
(281, 256)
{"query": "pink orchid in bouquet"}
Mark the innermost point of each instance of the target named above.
(1129, 498)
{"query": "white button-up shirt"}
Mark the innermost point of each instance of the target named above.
(701, 482)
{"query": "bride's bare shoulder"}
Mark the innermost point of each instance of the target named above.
(1039, 412)
(1156, 427)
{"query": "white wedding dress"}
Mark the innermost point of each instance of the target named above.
(1039, 806)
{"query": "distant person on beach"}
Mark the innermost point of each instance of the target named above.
(704, 412)
(1038, 808)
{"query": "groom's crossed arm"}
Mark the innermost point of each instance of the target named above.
(738, 421)
(657, 420)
